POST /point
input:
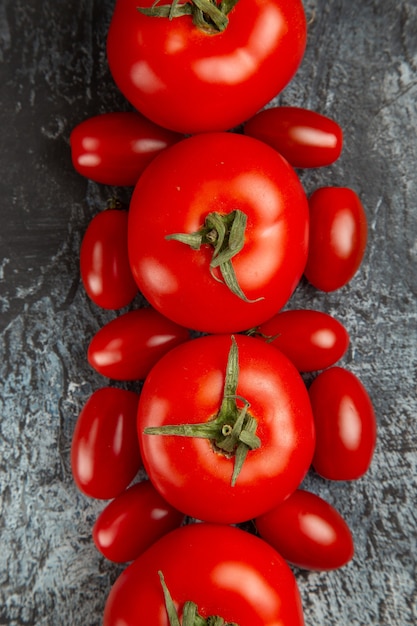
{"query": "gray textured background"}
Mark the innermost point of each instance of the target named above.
(361, 69)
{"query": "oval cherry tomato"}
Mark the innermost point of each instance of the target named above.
(225, 470)
(127, 347)
(305, 138)
(191, 80)
(338, 235)
(198, 187)
(312, 340)
(345, 425)
(105, 453)
(308, 532)
(114, 148)
(133, 521)
(223, 570)
(104, 261)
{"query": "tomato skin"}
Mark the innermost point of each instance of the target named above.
(177, 192)
(105, 453)
(127, 347)
(345, 425)
(114, 148)
(305, 138)
(311, 339)
(132, 522)
(308, 532)
(217, 567)
(104, 262)
(186, 386)
(190, 81)
(338, 236)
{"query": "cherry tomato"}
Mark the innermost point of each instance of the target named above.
(223, 570)
(105, 453)
(104, 261)
(338, 236)
(305, 138)
(133, 521)
(127, 347)
(218, 232)
(308, 532)
(191, 79)
(345, 425)
(114, 148)
(312, 340)
(246, 435)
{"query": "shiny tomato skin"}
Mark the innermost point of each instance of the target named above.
(311, 339)
(305, 138)
(114, 148)
(127, 347)
(191, 81)
(224, 570)
(186, 386)
(177, 192)
(338, 237)
(308, 532)
(105, 454)
(132, 522)
(345, 425)
(104, 262)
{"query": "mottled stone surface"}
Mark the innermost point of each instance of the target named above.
(361, 69)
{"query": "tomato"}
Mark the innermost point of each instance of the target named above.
(312, 340)
(305, 138)
(133, 521)
(114, 148)
(345, 425)
(104, 262)
(105, 453)
(218, 232)
(225, 428)
(338, 236)
(223, 570)
(127, 347)
(308, 532)
(193, 79)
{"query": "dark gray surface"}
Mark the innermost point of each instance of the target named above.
(361, 69)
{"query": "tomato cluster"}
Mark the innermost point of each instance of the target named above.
(217, 236)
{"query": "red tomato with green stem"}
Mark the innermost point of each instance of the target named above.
(208, 76)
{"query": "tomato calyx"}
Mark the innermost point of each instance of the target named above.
(233, 430)
(207, 15)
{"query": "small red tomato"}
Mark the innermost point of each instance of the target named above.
(133, 521)
(104, 263)
(312, 340)
(338, 236)
(345, 425)
(127, 347)
(307, 532)
(114, 148)
(305, 138)
(105, 453)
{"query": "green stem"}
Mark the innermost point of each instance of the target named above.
(207, 15)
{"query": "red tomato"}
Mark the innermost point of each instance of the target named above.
(104, 261)
(200, 383)
(223, 570)
(191, 80)
(105, 453)
(308, 532)
(133, 521)
(127, 347)
(345, 425)
(305, 138)
(312, 340)
(241, 186)
(114, 148)
(338, 235)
